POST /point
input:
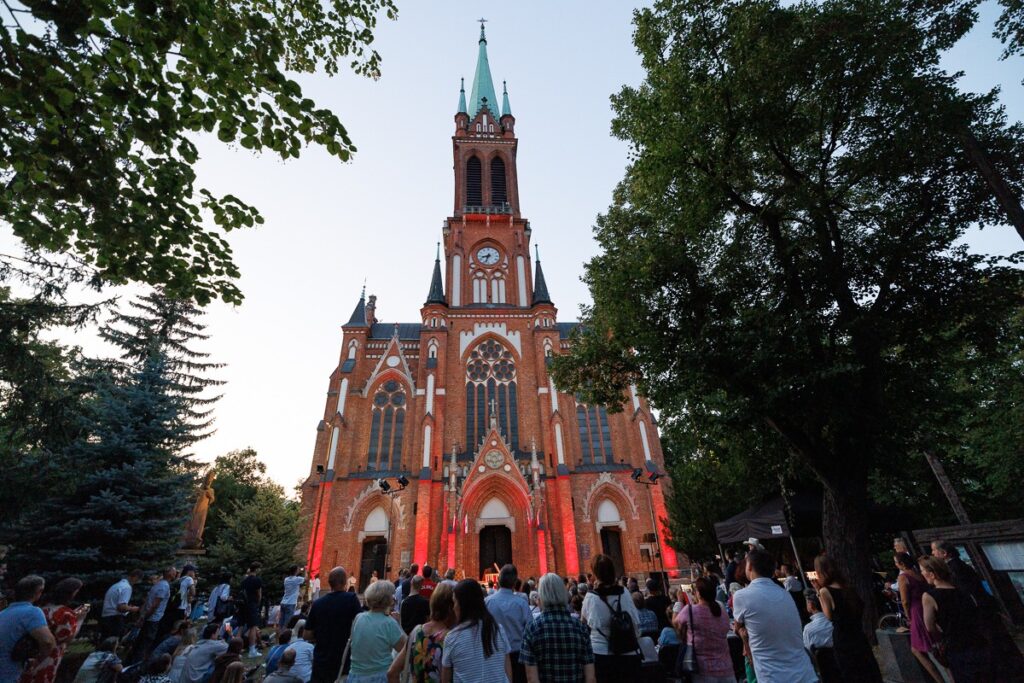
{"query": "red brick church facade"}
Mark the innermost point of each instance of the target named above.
(501, 466)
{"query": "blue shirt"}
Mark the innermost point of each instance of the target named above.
(18, 619)
(161, 591)
(274, 657)
(512, 611)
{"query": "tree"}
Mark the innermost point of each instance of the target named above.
(785, 246)
(130, 476)
(132, 486)
(733, 466)
(264, 529)
(240, 476)
(167, 326)
(100, 103)
(42, 388)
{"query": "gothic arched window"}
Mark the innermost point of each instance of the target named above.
(387, 427)
(595, 435)
(499, 193)
(491, 381)
(474, 182)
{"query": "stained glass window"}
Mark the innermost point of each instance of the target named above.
(387, 427)
(491, 377)
(595, 434)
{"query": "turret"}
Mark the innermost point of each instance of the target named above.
(436, 293)
(540, 287)
(359, 317)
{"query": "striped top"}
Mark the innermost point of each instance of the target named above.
(464, 652)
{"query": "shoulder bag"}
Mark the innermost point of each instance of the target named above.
(686, 662)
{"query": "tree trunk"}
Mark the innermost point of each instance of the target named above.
(845, 528)
(1000, 188)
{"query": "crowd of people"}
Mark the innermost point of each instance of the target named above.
(748, 621)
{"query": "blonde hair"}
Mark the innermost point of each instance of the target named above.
(442, 602)
(379, 595)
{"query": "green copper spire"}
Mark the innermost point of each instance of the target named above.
(506, 109)
(483, 86)
(462, 96)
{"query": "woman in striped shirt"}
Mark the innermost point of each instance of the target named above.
(476, 649)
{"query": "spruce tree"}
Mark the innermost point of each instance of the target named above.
(135, 480)
(169, 327)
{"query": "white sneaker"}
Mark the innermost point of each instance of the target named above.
(253, 652)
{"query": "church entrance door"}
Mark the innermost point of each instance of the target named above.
(611, 545)
(495, 548)
(374, 553)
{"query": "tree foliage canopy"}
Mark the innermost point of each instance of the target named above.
(785, 250)
(101, 101)
(264, 528)
(240, 476)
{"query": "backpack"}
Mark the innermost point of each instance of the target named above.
(621, 634)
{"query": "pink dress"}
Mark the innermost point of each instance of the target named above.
(709, 635)
(916, 587)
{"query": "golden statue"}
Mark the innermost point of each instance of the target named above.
(194, 530)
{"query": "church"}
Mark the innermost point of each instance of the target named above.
(446, 442)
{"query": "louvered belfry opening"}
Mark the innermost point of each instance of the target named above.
(474, 184)
(499, 193)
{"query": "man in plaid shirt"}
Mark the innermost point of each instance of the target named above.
(556, 647)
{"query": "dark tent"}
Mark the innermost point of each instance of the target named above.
(764, 521)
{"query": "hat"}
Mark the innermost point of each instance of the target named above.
(188, 568)
(754, 543)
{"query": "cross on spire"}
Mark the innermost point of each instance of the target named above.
(483, 36)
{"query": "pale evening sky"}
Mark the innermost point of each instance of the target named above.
(329, 225)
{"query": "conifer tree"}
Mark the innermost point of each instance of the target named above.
(134, 478)
(170, 327)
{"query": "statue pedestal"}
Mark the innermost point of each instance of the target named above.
(190, 555)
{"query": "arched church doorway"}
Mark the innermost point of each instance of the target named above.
(495, 548)
(374, 552)
(375, 547)
(611, 535)
(611, 545)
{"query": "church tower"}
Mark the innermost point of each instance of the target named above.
(446, 442)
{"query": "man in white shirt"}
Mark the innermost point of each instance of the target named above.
(186, 592)
(220, 593)
(818, 631)
(199, 657)
(772, 623)
(292, 583)
(303, 649)
(116, 605)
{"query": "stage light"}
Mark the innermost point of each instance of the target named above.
(654, 477)
(319, 469)
(402, 481)
(384, 485)
(637, 473)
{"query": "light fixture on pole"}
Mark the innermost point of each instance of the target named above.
(390, 491)
(652, 480)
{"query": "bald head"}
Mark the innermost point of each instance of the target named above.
(338, 579)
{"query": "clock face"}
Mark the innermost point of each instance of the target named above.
(487, 256)
(494, 459)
